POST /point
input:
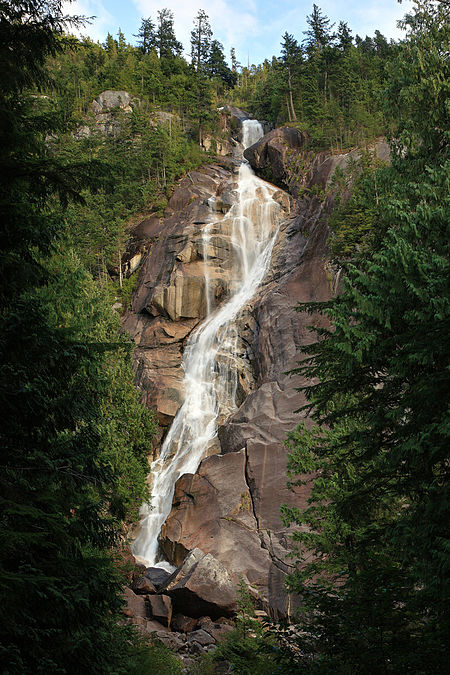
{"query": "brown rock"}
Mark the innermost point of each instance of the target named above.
(230, 507)
(143, 586)
(201, 586)
(213, 510)
(135, 605)
(160, 608)
(183, 624)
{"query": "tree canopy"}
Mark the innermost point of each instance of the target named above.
(376, 593)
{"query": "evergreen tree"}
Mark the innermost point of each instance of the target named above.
(167, 44)
(146, 36)
(291, 56)
(319, 33)
(374, 540)
(217, 66)
(74, 436)
(201, 42)
(235, 65)
(200, 51)
(344, 36)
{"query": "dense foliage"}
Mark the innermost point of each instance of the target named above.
(74, 436)
(327, 84)
(376, 589)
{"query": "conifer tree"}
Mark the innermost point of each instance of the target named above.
(375, 589)
(73, 434)
(167, 44)
(318, 35)
(201, 41)
(146, 36)
(291, 56)
(200, 51)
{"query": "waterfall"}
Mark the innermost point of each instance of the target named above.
(210, 357)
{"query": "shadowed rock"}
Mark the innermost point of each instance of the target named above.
(202, 585)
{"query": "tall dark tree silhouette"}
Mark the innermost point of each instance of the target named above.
(62, 483)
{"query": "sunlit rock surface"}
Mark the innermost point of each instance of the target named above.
(229, 506)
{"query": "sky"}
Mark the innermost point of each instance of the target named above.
(253, 27)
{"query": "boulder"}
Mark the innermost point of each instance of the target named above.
(143, 586)
(157, 576)
(217, 630)
(111, 99)
(213, 510)
(160, 608)
(202, 585)
(135, 605)
(274, 155)
(183, 623)
(201, 637)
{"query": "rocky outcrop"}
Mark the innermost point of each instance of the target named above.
(284, 157)
(171, 299)
(230, 508)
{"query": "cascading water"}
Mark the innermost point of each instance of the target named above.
(210, 356)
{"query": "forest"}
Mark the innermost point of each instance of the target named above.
(75, 431)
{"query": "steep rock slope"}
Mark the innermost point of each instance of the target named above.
(230, 507)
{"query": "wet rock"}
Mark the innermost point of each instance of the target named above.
(230, 508)
(143, 586)
(202, 585)
(160, 608)
(157, 576)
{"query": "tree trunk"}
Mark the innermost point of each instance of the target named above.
(294, 116)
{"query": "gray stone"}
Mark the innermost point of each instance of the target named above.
(202, 637)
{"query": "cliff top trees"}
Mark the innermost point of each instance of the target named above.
(167, 44)
(201, 36)
(376, 593)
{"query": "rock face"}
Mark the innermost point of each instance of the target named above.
(283, 157)
(202, 586)
(170, 299)
(230, 508)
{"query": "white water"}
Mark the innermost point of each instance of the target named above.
(209, 359)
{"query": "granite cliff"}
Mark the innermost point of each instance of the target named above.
(230, 507)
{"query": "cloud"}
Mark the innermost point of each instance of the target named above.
(98, 27)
